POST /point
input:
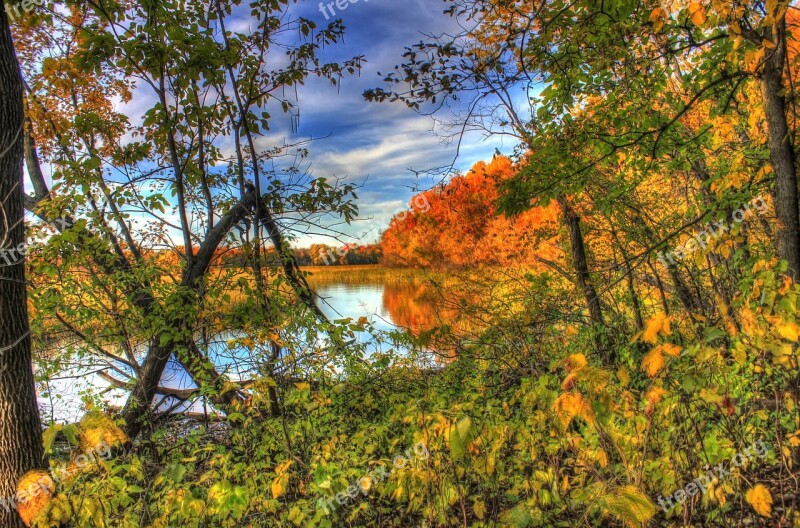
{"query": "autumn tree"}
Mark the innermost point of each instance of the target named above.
(206, 85)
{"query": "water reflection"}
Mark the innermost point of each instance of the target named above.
(389, 302)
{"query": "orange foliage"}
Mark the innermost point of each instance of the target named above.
(457, 224)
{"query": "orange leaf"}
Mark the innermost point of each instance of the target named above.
(760, 499)
(653, 362)
(697, 13)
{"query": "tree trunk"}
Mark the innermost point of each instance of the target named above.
(781, 152)
(573, 223)
(583, 278)
(20, 427)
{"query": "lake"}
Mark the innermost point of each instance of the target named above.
(390, 299)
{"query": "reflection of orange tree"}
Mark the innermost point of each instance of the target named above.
(423, 304)
(412, 305)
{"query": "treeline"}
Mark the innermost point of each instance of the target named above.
(457, 224)
(315, 255)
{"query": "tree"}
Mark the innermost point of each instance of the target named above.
(20, 426)
(210, 88)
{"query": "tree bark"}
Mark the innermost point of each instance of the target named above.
(583, 278)
(578, 248)
(781, 151)
(20, 426)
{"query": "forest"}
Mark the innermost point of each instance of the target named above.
(444, 263)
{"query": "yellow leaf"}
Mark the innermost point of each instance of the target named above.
(789, 331)
(670, 349)
(569, 405)
(601, 457)
(480, 509)
(658, 324)
(719, 493)
(279, 486)
(575, 362)
(653, 362)
(281, 468)
(623, 376)
(630, 505)
(569, 381)
(658, 17)
(760, 499)
(655, 394)
(697, 13)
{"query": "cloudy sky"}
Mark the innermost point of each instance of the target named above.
(379, 145)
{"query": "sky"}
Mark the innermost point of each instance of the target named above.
(385, 148)
(377, 145)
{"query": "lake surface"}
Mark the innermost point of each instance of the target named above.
(388, 301)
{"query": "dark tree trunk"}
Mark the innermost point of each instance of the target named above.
(583, 278)
(781, 152)
(578, 248)
(20, 427)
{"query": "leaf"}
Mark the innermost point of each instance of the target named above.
(697, 13)
(659, 323)
(789, 331)
(658, 17)
(569, 405)
(630, 505)
(760, 499)
(480, 509)
(49, 437)
(460, 437)
(670, 349)
(575, 362)
(279, 485)
(653, 362)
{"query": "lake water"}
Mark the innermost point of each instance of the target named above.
(388, 304)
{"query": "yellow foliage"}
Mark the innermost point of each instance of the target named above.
(670, 349)
(630, 505)
(658, 17)
(569, 405)
(575, 362)
(697, 13)
(760, 499)
(281, 482)
(99, 432)
(658, 324)
(34, 492)
(653, 362)
(789, 331)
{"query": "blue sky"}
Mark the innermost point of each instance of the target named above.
(377, 146)
(370, 143)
